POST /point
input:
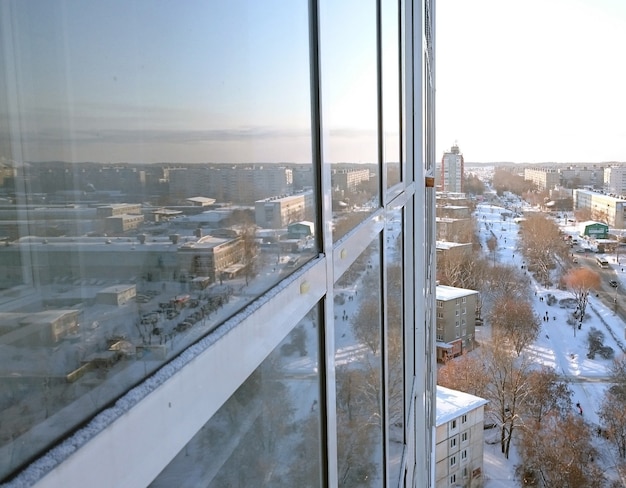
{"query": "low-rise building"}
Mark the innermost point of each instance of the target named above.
(456, 321)
(459, 439)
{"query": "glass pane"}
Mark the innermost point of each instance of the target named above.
(349, 109)
(268, 432)
(358, 371)
(395, 343)
(391, 90)
(149, 153)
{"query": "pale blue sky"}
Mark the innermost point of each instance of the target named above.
(532, 80)
(165, 80)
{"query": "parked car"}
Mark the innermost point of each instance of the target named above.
(614, 283)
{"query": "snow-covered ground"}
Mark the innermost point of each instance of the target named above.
(559, 345)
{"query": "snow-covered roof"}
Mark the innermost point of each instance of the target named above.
(445, 292)
(452, 404)
(450, 245)
(201, 200)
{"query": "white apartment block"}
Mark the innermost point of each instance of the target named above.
(615, 179)
(604, 208)
(545, 179)
(459, 439)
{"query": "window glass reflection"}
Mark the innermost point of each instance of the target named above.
(268, 432)
(359, 372)
(391, 90)
(156, 178)
(395, 342)
(349, 109)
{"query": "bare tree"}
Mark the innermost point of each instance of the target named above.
(559, 452)
(492, 245)
(550, 395)
(540, 242)
(464, 373)
(507, 389)
(612, 413)
(514, 322)
(366, 324)
(579, 282)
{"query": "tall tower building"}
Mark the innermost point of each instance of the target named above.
(451, 171)
(307, 360)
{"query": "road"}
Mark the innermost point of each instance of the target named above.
(612, 298)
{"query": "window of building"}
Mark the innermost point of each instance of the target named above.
(463, 418)
(453, 424)
(453, 442)
(439, 315)
(174, 202)
(464, 454)
(464, 437)
(452, 461)
(452, 479)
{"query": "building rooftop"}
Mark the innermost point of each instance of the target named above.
(445, 292)
(452, 404)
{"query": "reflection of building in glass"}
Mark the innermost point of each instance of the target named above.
(278, 212)
(459, 439)
(348, 180)
(451, 171)
(239, 361)
(211, 256)
(242, 184)
(119, 224)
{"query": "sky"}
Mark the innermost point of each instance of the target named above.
(151, 80)
(193, 81)
(531, 80)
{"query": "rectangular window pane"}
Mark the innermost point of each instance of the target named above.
(394, 252)
(268, 432)
(359, 372)
(391, 90)
(157, 180)
(350, 109)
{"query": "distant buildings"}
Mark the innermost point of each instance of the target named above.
(459, 439)
(451, 171)
(242, 184)
(543, 178)
(605, 208)
(278, 212)
(615, 179)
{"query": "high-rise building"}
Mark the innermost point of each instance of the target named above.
(136, 365)
(451, 171)
(615, 179)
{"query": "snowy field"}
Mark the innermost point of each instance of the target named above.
(559, 345)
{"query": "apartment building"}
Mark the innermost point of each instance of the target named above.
(456, 321)
(615, 179)
(258, 380)
(604, 208)
(451, 171)
(544, 178)
(459, 439)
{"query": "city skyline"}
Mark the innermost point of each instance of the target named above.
(533, 81)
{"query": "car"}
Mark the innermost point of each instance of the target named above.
(614, 283)
(575, 260)
(580, 250)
